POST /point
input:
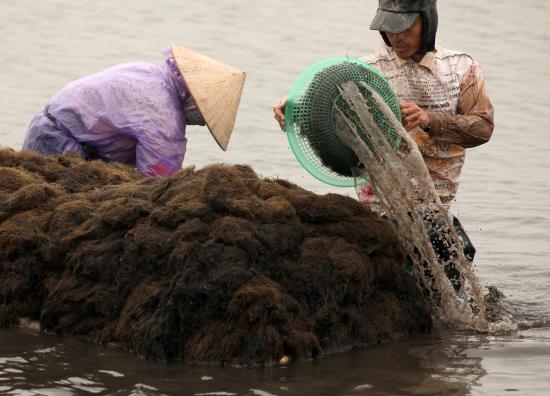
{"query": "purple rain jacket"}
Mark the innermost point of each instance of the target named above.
(130, 113)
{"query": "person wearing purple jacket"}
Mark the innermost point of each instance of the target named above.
(136, 113)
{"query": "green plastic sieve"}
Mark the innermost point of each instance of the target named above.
(310, 117)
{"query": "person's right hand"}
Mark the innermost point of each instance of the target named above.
(279, 112)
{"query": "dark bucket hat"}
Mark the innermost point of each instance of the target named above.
(392, 21)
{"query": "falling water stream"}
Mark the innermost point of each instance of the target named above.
(403, 185)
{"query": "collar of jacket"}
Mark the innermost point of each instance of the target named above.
(427, 61)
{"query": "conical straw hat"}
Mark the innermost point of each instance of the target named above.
(216, 89)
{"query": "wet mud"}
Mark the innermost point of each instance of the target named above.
(214, 265)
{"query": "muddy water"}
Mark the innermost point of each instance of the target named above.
(502, 203)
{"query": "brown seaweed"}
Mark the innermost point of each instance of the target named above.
(213, 265)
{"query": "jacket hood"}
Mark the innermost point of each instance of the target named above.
(395, 16)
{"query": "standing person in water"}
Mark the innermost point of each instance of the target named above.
(443, 99)
(136, 113)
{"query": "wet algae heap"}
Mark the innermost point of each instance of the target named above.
(215, 265)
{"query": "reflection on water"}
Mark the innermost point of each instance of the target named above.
(448, 364)
(516, 363)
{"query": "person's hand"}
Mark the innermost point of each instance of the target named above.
(414, 116)
(279, 112)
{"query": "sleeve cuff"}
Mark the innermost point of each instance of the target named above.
(437, 124)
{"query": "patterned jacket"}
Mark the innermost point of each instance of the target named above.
(450, 87)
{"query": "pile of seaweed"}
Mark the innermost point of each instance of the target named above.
(215, 265)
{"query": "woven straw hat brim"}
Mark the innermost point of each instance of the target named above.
(216, 89)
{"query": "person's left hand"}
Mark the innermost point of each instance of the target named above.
(414, 116)
(279, 112)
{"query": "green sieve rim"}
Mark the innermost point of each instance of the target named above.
(299, 142)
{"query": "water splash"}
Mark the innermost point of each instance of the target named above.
(403, 185)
